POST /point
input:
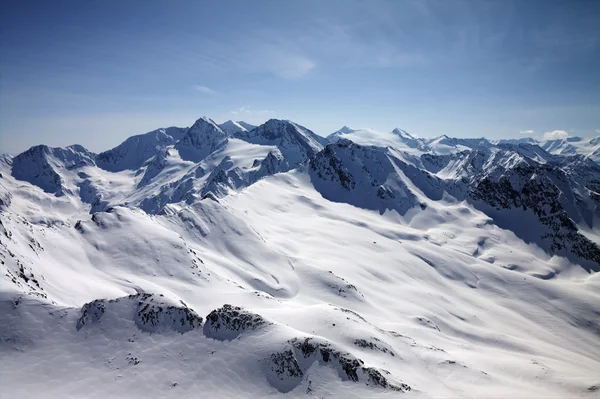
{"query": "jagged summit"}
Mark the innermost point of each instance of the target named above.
(362, 176)
(295, 142)
(45, 166)
(202, 138)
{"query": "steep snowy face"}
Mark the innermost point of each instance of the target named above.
(204, 137)
(134, 152)
(556, 197)
(296, 143)
(45, 167)
(556, 204)
(231, 127)
(154, 166)
(574, 146)
(361, 176)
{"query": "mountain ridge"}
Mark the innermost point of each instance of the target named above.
(273, 262)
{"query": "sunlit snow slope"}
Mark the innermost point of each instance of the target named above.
(227, 261)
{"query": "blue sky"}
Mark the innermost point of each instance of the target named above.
(95, 73)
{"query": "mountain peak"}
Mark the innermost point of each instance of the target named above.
(295, 142)
(205, 123)
(202, 138)
(43, 166)
(402, 133)
(345, 129)
(231, 127)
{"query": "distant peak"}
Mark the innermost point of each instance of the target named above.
(344, 130)
(273, 121)
(232, 127)
(203, 130)
(402, 133)
(205, 121)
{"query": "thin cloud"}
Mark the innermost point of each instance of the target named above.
(205, 90)
(556, 135)
(279, 58)
(527, 131)
(248, 111)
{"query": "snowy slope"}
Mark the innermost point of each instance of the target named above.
(272, 264)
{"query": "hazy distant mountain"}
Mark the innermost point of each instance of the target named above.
(231, 127)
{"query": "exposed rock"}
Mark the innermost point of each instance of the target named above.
(149, 312)
(294, 363)
(229, 322)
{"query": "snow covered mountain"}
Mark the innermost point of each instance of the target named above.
(233, 261)
(573, 146)
(200, 140)
(296, 143)
(48, 167)
(137, 150)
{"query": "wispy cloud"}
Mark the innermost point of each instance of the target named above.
(282, 60)
(204, 89)
(527, 131)
(556, 135)
(294, 54)
(247, 111)
(349, 46)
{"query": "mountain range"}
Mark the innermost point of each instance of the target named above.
(239, 260)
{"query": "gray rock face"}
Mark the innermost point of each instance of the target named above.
(151, 313)
(290, 365)
(229, 322)
(201, 139)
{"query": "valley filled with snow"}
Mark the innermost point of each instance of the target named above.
(250, 261)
